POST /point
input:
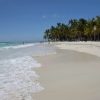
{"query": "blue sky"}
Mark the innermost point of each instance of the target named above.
(22, 20)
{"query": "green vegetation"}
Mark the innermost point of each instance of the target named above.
(76, 30)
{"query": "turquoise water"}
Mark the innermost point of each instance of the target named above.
(4, 44)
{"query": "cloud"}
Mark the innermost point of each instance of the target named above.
(44, 16)
(55, 16)
(50, 16)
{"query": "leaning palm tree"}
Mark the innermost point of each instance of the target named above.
(47, 35)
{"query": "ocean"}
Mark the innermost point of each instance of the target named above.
(17, 75)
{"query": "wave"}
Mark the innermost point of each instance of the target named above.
(17, 79)
(18, 46)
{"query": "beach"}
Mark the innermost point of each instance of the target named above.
(69, 75)
(89, 47)
(50, 71)
(50, 50)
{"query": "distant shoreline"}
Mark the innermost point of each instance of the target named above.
(89, 47)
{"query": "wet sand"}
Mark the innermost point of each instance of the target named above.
(69, 75)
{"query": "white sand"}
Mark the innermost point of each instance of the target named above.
(86, 47)
(69, 75)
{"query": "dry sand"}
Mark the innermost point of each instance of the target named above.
(69, 75)
(92, 48)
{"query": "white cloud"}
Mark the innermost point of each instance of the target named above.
(50, 16)
(55, 16)
(44, 16)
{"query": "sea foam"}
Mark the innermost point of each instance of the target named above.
(17, 79)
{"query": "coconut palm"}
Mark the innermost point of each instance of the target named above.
(81, 29)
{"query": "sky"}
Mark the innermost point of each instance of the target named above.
(26, 20)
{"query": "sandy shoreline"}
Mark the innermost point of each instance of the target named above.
(69, 75)
(92, 48)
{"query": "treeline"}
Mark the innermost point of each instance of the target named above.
(75, 30)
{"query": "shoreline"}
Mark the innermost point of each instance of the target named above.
(67, 67)
(69, 75)
(92, 48)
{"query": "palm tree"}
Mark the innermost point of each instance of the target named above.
(88, 30)
(73, 26)
(97, 25)
(47, 34)
(62, 31)
(81, 29)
